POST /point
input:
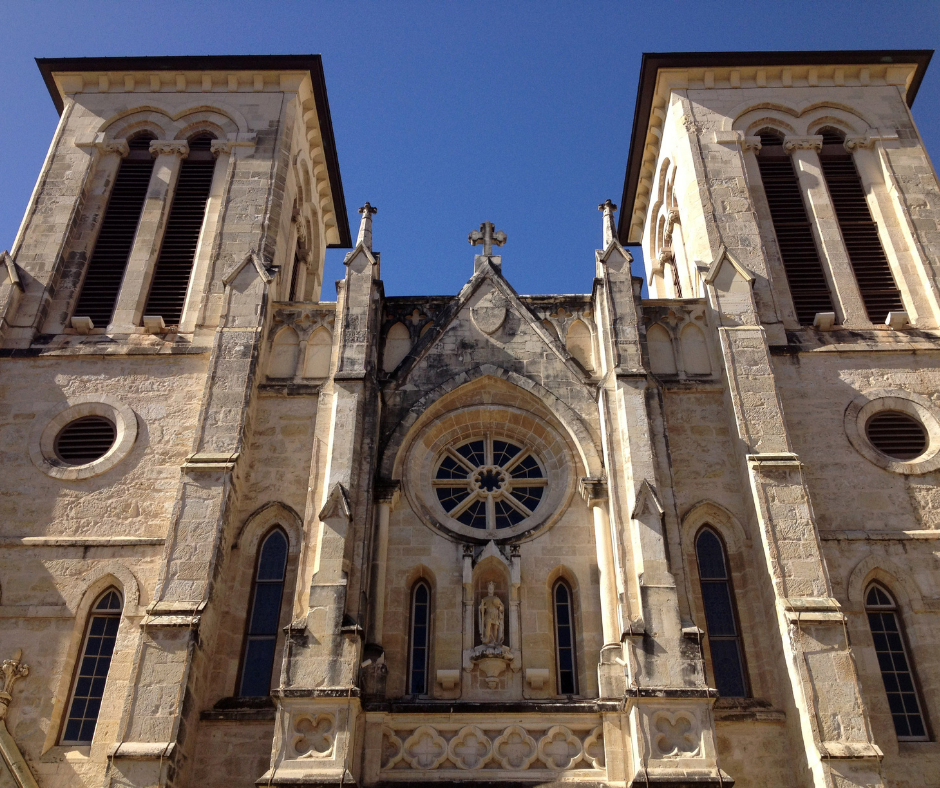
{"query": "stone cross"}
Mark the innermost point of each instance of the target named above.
(365, 227)
(486, 236)
(610, 231)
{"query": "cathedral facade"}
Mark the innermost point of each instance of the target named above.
(684, 535)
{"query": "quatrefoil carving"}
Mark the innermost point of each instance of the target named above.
(425, 749)
(559, 748)
(677, 734)
(392, 749)
(594, 748)
(313, 736)
(470, 748)
(515, 749)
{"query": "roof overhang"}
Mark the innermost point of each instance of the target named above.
(52, 68)
(904, 67)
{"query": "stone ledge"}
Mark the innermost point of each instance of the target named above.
(494, 707)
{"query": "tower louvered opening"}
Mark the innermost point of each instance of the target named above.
(116, 237)
(859, 231)
(85, 440)
(899, 435)
(178, 251)
(808, 286)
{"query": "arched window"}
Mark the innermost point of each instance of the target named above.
(419, 651)
(721, 616)
(896, 670)
(178, 251)
(92, 671)
(859, 232)
(115, 240)
(267, 590)
(808, 286)
(565, 665)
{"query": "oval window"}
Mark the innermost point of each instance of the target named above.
(85, 440)
(896, 434)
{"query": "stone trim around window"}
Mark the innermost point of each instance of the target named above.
(866, 405)
(47, 427)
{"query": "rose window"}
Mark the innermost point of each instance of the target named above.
(489, 483)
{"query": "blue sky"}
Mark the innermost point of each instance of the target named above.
(447, 114)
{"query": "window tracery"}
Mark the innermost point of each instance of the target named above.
(489, 483)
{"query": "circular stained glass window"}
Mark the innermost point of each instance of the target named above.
(489, 483)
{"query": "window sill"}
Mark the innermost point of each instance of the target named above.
(73, 753)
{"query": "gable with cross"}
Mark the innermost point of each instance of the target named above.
(488, 236)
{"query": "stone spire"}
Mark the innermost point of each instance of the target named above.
(610, 231)
(365, 227)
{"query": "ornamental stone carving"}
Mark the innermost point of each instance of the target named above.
(470, 748)
(425, 749)
(169, 148)
(559, 748)
(594, 748)
(676, 734)
(13, 670)
(313, 736)
(812, 142)
(515, 749)
(120, 147)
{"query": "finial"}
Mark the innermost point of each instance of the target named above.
(12, 669)
(486, 236)
(365, 227)
(610, 232)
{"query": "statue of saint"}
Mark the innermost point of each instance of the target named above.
(491, 618)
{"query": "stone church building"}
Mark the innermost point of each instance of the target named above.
(249, 536)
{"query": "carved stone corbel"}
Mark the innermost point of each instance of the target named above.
(169, 148)
(13, 670)
(811, 142)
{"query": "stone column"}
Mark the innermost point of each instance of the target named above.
(140, 265)
(386, 497)
(594, 493)
(847, 300)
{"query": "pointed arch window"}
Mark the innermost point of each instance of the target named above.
(721, 616)
(859, 231)
(419, 650)
(91, 674)
(267, 592)
(565, 664)
(180, 240)
(115, 240)
(896, 669)
(805, 276)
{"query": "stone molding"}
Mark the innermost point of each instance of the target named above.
(47, 427)
(868, 403)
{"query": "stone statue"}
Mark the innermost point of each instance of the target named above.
(491, 618)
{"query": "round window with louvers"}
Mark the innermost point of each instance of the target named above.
(897, 435)
(489, 485)
(85, 440)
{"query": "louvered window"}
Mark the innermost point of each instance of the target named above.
(859, 231)
(85, 440)
(808, 286)
(178, 251)
(897, 434)
(116, 237)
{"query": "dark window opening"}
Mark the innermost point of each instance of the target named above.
(85, 440)
(897, 434)
(178, 251)
(261, 631)
(721, 616)
(565, 665)
(115, 241)
(91, 675)
(294, 278)
(859, 232)
(896, 670)
(420, 638)
(805, 277)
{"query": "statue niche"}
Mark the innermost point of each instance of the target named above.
(491, 629)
